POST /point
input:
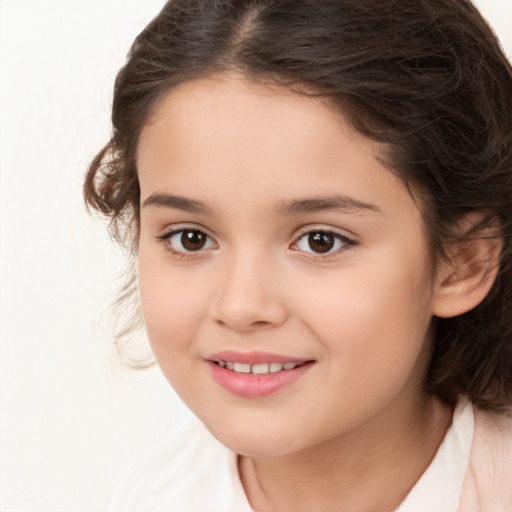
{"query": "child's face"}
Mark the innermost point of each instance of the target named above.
(270, 233)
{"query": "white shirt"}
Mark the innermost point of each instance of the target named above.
(440, 487)
(196, 473)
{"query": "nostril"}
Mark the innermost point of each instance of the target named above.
(258, 324)
(261, 323)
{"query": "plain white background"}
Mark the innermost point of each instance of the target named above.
(72, 418)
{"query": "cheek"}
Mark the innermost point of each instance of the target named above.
(173, 310)
(372, 313)
(171, 300)
(373, 329)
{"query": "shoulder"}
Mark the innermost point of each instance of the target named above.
(192, 471)
(488, 483)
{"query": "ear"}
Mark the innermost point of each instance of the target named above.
(466, 278)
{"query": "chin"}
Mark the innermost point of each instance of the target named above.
(255, 442)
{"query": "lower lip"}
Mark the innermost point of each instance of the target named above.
(255, 386)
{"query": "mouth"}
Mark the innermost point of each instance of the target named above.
(256, 374)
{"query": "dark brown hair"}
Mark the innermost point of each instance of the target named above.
(427, 78)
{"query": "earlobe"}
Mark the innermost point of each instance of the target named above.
(467, 277)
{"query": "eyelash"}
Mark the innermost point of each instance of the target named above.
(166, 240)
(344, 243)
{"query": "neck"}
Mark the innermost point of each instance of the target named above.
(369, 469)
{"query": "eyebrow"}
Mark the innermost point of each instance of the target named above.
(323, 203)
(283, 208)
(177, 203)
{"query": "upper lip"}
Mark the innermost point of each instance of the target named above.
(254, 357)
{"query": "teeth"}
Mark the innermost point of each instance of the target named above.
(276, 367)
(257, 369)
(242, 368)
(260, 369)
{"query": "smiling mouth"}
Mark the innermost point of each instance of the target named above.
(256, 374)
(260, 368)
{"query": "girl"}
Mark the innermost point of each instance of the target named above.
(319, 197)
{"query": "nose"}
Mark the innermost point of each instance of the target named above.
(250, 296)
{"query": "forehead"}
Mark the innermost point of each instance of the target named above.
(235, 109)
(248, 142)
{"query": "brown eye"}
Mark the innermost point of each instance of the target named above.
(193, 240)
(189, 240)
(321, 242)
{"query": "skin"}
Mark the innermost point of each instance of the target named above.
(356, 431)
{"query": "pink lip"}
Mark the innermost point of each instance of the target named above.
(254, 386)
